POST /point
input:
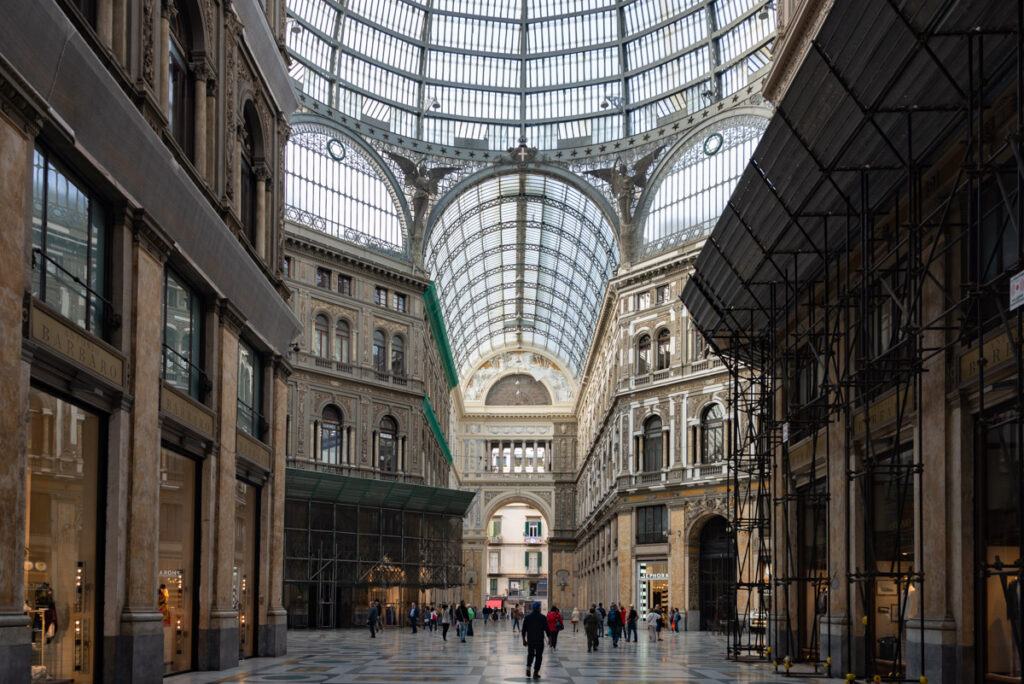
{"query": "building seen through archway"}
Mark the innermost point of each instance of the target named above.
(517, 558)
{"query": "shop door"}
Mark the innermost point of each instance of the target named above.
(244, 577)
(717, 576)
(1000, 548)
(63, 515)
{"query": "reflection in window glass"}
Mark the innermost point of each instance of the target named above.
(243, 573)
(182, 336)
(69, 243)
(249, 378)
(62, 518)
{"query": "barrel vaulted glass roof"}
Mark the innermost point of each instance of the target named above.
(521, 260)
(483, 73)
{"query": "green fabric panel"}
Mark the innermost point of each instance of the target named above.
(437, 327)
(435, 427)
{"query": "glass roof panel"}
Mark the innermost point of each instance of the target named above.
(546, 252)
(535, 68)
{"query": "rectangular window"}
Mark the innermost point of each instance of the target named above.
(69, 246)
(643, 300)
(494, 586)
(495, 530)
(651, 525)
(345, 285)
(323, 278)
(533, 528)
(380, 296)
(287, 267)
(699, 351)
(182, 336)
(662, 296)
(249, 382)
(400, 302)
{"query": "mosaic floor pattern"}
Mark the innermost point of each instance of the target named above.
(493, 655)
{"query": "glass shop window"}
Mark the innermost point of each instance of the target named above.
(176, 569)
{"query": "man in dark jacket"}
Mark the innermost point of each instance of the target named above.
(414, 616)
(631, 623)
(535, 628)
(371, 619)
(615, 623)
(591, 625)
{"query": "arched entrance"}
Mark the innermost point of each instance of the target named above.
(717, 575)
(517, 565)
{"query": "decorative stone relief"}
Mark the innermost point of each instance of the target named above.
(535, 365)
(148, 41)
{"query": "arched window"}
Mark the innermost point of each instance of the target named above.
(250, 158)
(387, 444)
(643, 355)
(321, 331)
(380, 352)
(342, 338)
(330, 435)
(653, 440)
(398, 356)
(712, 423)
(664, 355)
(180, 103)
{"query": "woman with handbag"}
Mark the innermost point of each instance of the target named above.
(555, 625)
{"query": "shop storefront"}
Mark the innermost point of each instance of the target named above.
(243, 577)
(63, 531)
(176, 595)
(652, 585)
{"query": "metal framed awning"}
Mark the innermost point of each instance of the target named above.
(336, 488)
(883, 85)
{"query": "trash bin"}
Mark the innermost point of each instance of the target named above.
(887, 648)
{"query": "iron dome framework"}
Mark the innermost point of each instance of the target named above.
(869, 243)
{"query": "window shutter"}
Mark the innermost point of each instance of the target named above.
(540, 559)
(527, 559)
(540, 529)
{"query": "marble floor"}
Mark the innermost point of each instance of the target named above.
(493, 655)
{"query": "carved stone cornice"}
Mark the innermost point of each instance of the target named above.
(230, 315)
(19, 102)
(150, 236)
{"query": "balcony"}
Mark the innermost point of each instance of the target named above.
(710, 363)
(533, 570)
(356, 372)
(494, 539)
(700, 472)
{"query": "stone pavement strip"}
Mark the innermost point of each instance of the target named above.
(493, 655)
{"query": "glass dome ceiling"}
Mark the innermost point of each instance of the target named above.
(481, 74)
(521, 260)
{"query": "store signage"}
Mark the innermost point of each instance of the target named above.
(74, 344)
(186, 411)
(654, 576)
(996, 351)
(1016, 290)
(885, 410)
(257, 452)
(785, 432)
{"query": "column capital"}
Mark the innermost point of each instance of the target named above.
(150, 236)
(230, 315)
(169, 10)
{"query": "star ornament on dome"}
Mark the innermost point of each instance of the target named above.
(523, 154)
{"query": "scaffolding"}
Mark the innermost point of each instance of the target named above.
(887, 276)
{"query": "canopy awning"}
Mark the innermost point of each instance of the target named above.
(494, 603)
(325, 486)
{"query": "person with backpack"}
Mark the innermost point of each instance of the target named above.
(591, 627)
(631, 620)
(615, 623)
(414, 616)
(462, 620)
(535, 628)
(555, 625)
(470, 615)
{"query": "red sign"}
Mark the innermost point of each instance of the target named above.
(1016, 290)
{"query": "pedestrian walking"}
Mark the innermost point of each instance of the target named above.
(555, 625)
(603, 615)
(575, 618)
(631, 620)
(414, 616)
(592, 626)
(371, 619)
(676, 619)
(516, 616)
(446, 620)
(535, 628)
(462, 620)
(615, 623)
